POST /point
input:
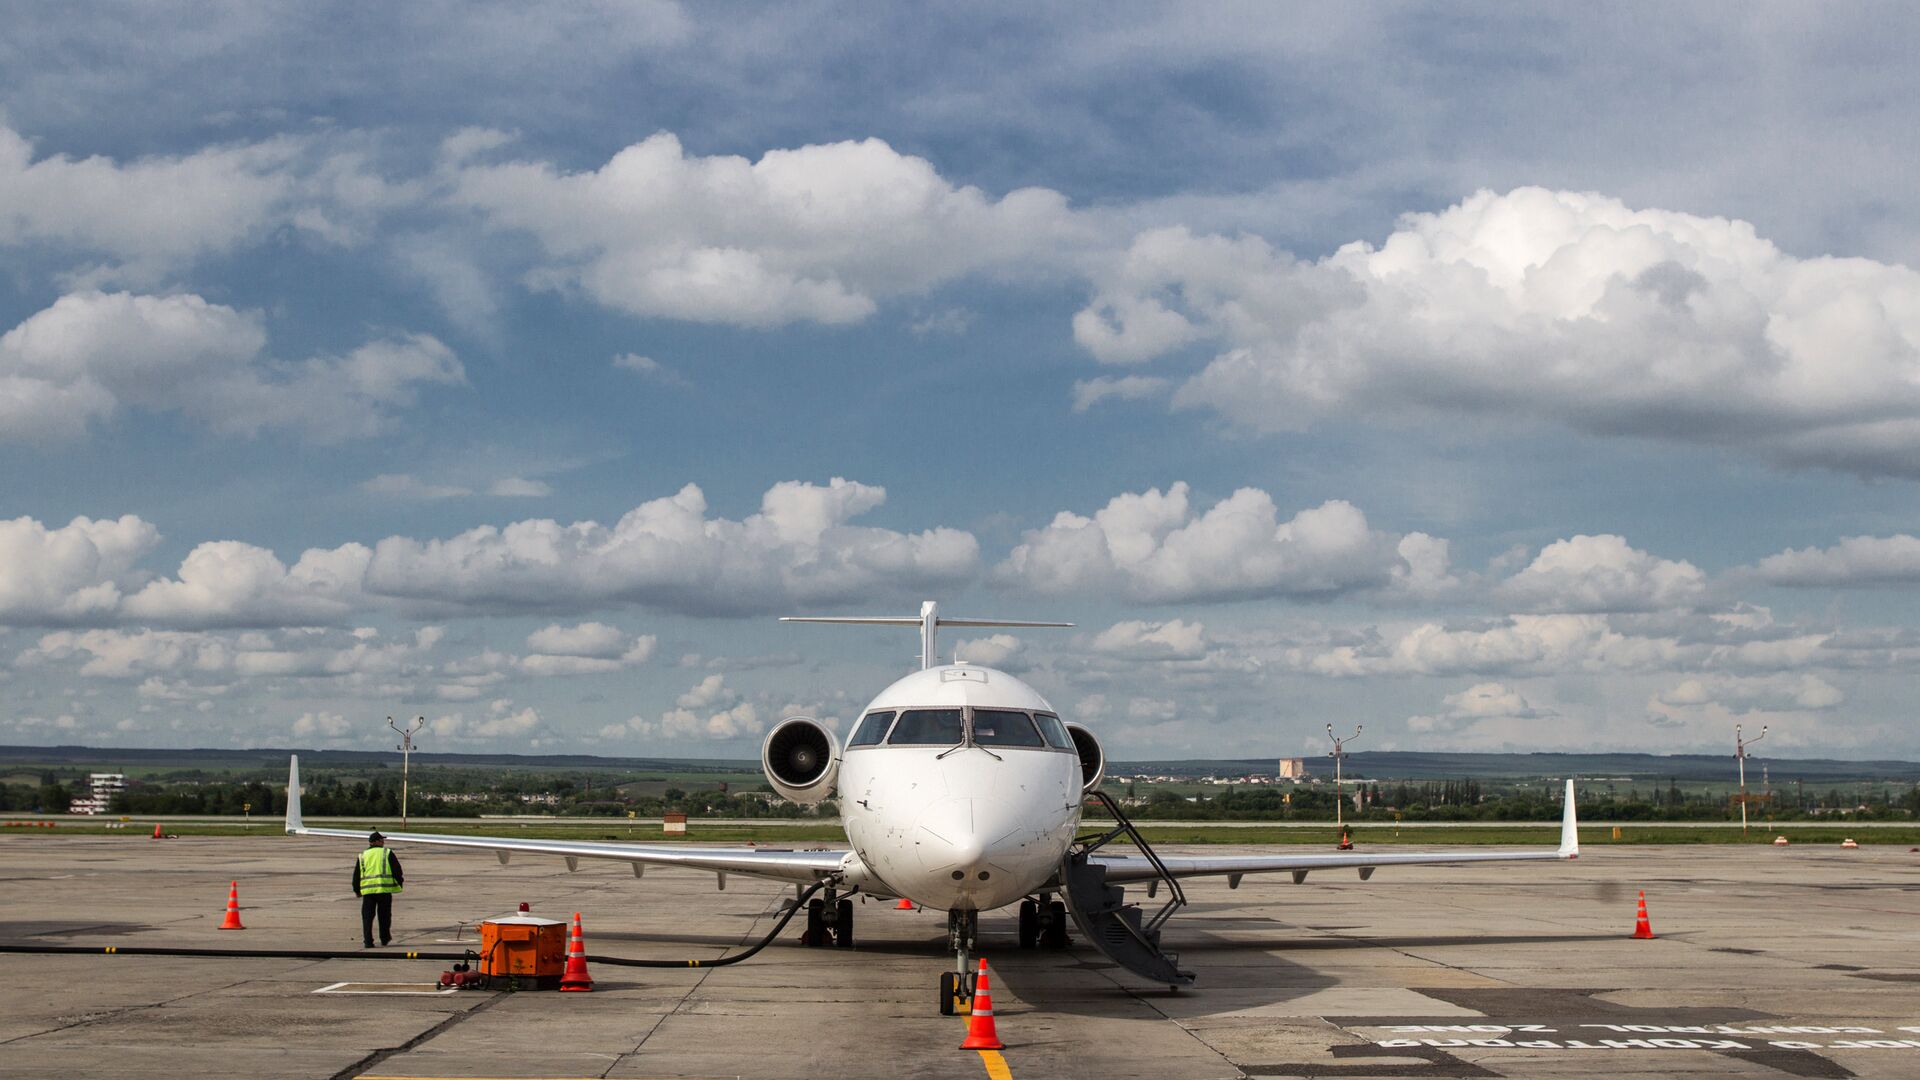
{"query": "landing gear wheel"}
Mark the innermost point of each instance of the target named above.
(815, 934)
(949, 993)
(1029, 924)
(843, 924)
(1055, 934)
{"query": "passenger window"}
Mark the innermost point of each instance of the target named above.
(927, 727)
(1054, 730)
(1003, 727)
(872, 729)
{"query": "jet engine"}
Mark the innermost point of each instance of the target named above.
(801, 758)
(1093, 760)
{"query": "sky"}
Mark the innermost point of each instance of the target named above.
(1492, 377)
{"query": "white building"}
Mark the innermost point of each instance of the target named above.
(101, 788)
(1293, 768)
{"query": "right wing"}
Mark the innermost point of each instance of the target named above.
(798, 867)
(1125, 868)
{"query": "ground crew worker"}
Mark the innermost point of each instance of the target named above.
(376, 877)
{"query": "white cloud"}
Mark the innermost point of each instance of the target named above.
(408, 486)
(1151, 547)
(230, 583)
(500, 721)
(93, 354)
(649, 368)
(72, 574)
(709, 692)
(1003, 651)
(1553, 306)
(1753, 694)
(323, 725)
(590, 648)
(518, 487)
(1855, 562)
(798, 550)
(1601, 574)
(1138, 640)
(818, 233)
(1476, 706)
(1090, 392)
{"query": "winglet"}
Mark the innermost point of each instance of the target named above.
(294, 822)
(1569, 828)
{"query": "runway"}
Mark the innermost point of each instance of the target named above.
(1801, 961)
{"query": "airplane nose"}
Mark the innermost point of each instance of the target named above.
(947, 841)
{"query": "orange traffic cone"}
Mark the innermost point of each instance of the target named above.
(1643, 929)
(576, 977)
(233, 908)
(980, 1031)
(904, 905)
(157, 834)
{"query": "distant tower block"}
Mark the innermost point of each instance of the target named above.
(1293, 768)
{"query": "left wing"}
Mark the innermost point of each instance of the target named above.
(1125, 868)
(800, 867)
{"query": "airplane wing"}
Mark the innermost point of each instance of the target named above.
(1125, 868)
(799, 867)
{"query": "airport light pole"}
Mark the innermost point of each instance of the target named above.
(406, 758)
(1339, 755)
(1740, 754)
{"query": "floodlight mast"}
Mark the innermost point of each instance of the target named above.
(406, 758)
(1740, 754)
(1339, 754)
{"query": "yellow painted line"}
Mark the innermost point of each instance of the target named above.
(996, 1065)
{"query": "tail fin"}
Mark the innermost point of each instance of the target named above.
(929, 620)
(1569, 828)
(294, 822)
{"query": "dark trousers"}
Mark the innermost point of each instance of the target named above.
(382, 904)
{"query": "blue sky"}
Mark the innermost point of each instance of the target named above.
(1490, 377)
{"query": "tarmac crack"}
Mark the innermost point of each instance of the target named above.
(378, 1056)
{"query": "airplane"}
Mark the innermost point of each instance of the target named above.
(961, 790)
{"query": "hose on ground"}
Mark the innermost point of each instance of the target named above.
(408, 954)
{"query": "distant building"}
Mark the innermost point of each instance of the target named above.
(101, 788)
(1293, 768)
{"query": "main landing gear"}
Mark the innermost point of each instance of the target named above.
(956, 987)
(1043, 923)
(829, 920)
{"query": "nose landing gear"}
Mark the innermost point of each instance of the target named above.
(829, 920)
(956, 987)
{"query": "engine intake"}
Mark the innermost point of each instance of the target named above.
(1093, 760)
(801, 758)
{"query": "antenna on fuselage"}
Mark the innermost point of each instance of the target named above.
(929, 621)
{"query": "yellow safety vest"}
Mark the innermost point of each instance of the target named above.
(376, 872)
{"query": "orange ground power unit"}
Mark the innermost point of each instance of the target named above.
(520, 952)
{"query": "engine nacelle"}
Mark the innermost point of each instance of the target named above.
(1093, 760)
(801, 758)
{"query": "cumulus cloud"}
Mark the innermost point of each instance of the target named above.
(1477, 705)
(1601, 574)
(230, 583)
(1855, 562)
(1556, 306)
(668, 553)
(1152, 547)
(1754, 694)
(501, 721)
(92, 355)
(816, 234)
(127, 654)
(1090, 392)
(1003, 651)
(1138, 640)
(649, 368)
(71, 574)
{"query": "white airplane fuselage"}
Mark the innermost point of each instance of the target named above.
(961, 825)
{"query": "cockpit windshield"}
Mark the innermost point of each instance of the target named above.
(1003, 727)
(872, 729)
(927, 727)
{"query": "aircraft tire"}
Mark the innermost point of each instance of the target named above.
(1029, 924)
(1055, 935)
(949, 990)
(816, 932)
(843, 924)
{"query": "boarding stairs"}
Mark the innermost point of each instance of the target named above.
(1126, 934)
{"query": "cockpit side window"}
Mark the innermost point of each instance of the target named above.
(927, 727)
(872, 729)
(1004, 727)
(1054, 730)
